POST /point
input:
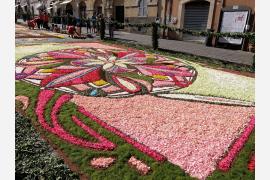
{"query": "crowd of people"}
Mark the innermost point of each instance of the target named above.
(71, 25)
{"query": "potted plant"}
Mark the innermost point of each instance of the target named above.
(251, 45)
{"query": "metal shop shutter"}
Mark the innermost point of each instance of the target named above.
(196, 15)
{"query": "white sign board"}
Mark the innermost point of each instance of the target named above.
(233, 22)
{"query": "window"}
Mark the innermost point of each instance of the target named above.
(143, 7)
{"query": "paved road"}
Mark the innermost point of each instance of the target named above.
(235, 56)
(227, 55)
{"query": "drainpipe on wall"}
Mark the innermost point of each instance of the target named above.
(214, 41)
(158, 9)
(165, 17)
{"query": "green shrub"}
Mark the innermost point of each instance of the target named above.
(34, 158)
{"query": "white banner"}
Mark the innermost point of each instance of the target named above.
(233, 22)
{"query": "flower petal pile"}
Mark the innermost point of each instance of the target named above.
(102, 162)
(139, 165)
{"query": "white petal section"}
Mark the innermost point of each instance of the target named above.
(121, 65)
(95, 63)
(127, 84)
(94, 60)
(19, 69)
(125, 61)
(112, 58)
(129, 55)
(102, 58)
(107, 66)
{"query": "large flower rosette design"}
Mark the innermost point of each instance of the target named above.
(99, 72)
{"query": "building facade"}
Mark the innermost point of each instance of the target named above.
(200, 15)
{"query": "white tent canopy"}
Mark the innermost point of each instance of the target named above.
(66, 2)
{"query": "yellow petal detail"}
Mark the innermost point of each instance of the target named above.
(47, 70)
(100, 82)
(160, 77)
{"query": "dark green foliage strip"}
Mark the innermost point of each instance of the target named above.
(35, 159)
(248, 35)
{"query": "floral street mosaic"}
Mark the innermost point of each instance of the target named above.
(100, 98)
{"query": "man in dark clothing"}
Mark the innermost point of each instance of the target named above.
(94, 22)
(88, 24)
(111, 26)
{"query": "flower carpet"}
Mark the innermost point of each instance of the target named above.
(118, 112)
(24, 32)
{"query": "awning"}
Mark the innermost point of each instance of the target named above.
(66, 2)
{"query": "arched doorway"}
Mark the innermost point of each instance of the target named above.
(196, 15)
(82, 9)
(69, 9)
(191, 13)
(98, 7)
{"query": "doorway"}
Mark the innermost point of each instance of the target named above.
(196, 18)
(69, 9)
(120, 15)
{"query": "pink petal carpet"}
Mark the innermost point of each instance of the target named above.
(191, 135)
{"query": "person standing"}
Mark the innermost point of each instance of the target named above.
(46, 21)
(37, 19)
(41, 17)
(111, 26)
(69, 20)
(88, 25)
(99, 18)
(71, 31)
(94, 22)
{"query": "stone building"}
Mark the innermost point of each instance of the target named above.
(133, 11)
(200, 15)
